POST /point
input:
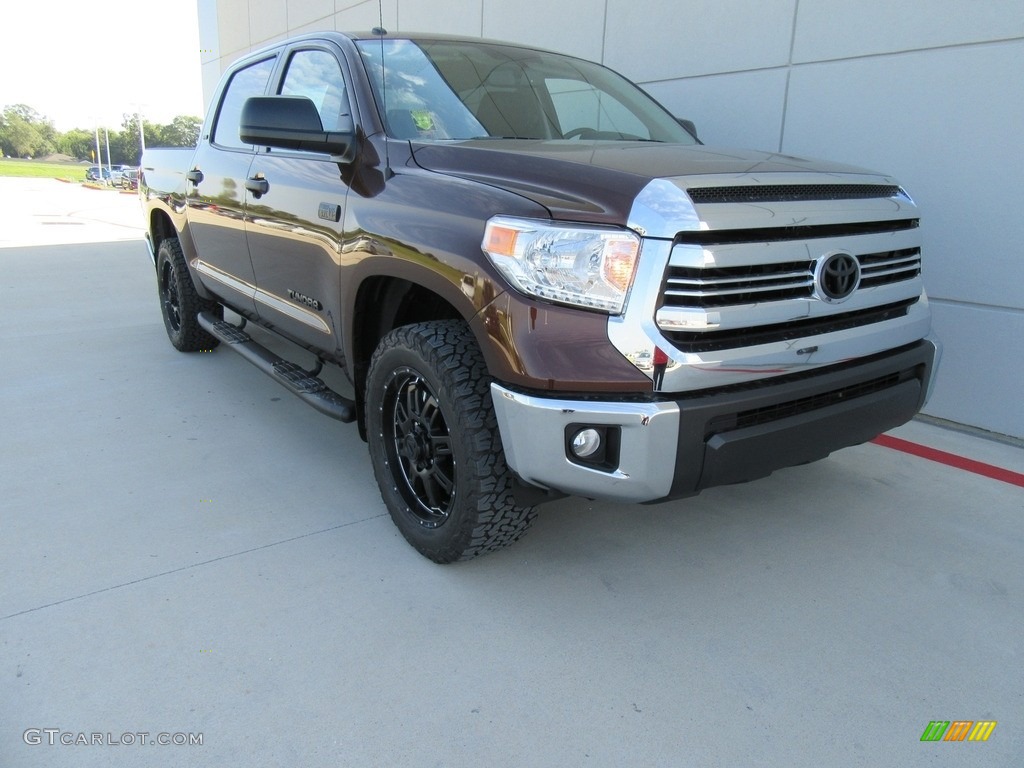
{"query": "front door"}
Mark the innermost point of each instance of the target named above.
(294, 224)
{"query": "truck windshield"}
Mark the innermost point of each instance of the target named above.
(448, 90)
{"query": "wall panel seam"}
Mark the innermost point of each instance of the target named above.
(974, 305)
(816, 62)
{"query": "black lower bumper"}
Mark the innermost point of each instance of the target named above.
(739, 435)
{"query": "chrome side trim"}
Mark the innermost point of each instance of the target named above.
(228, 281)
(533, 435)
(295, 313)
(260, 296)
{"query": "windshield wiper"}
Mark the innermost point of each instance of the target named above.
(523, 138)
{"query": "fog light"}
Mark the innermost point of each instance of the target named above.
(586, 443)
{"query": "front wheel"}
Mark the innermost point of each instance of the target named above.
(434, 444)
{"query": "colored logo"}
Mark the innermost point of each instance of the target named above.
(958, 730)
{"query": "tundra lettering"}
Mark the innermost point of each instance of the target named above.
(304, 299)
(531, 280)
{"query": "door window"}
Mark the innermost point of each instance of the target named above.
(317, 75)
(251, 81)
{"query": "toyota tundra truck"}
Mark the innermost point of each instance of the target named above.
(532, 280)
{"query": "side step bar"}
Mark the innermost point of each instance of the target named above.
(295, 378)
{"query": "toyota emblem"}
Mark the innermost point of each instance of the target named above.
(837, 276)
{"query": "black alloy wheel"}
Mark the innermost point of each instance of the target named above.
(171, 304)
(419, 444)
(180, 303)
(435, 445)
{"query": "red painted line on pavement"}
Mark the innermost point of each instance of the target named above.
(951, 459)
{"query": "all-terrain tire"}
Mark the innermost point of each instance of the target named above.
(180, 304)
(435, 446)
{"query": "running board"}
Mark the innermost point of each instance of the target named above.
(295, 378)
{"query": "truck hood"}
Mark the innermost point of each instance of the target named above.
(600, 181)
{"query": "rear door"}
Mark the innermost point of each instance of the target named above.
(295, 225)
(217, 195)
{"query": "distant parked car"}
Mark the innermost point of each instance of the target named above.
(116, 171)
(130, 178)
(99, 174)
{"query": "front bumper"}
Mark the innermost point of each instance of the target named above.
(672, 448)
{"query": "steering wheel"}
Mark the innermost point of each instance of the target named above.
(580, 133)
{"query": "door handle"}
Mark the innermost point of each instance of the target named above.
(258, 185)
(195, 176)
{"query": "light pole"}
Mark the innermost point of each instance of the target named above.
(110, 168)
(99, 155)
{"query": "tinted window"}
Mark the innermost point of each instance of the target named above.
(317, 76)
(438, 90)
(251, 81)
(587, 112)
(418, 102)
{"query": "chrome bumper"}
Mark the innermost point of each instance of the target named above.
(533, 431)
(674, 448)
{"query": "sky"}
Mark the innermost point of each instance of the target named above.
(84, 63)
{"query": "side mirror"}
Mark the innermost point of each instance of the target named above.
(689, 125)
(289, 122)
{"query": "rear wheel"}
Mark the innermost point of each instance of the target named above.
(180, 304)
(434, 444)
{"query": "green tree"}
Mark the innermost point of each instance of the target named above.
(49, 136)
(153, 132)
(183, 131)
(78, 143)
(17, 138)
(129, 144)
(25, 133)
(118, 146)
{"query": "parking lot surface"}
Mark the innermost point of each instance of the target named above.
(190, 553)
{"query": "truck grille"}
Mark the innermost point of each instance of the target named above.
(710, 237)
(751, 273)
(735, 286)
(728, 286)
(712, 341)
(775, 193)
(889, 267)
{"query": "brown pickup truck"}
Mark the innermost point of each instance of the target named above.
(533, 280)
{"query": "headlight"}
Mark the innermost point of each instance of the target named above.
(586, 266)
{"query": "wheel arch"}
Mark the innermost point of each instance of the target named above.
(160, 228)
(382, 304)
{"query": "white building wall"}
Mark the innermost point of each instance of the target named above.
(927, 90)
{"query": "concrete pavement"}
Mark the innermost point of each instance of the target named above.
(46, 212)
(188, 550)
